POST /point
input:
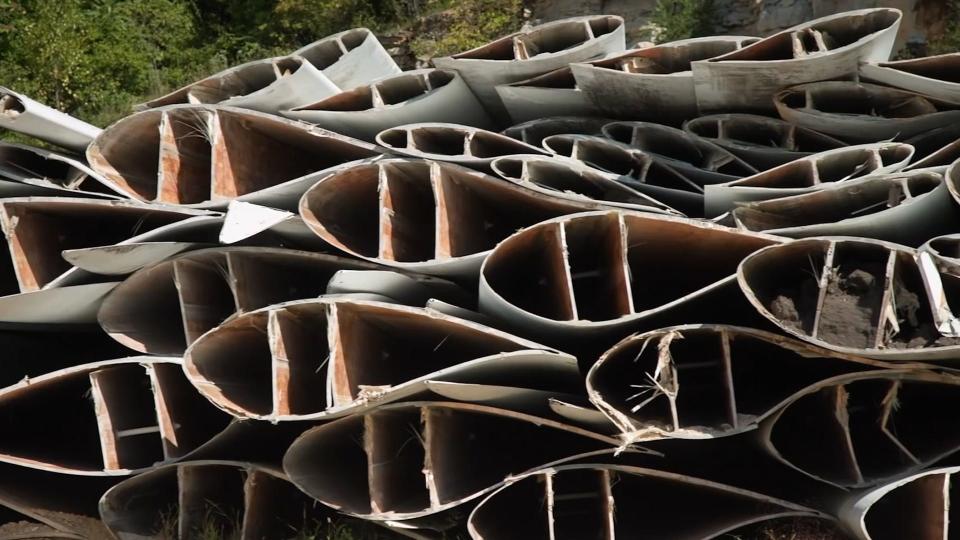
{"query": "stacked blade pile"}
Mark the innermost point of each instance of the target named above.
(550, 288)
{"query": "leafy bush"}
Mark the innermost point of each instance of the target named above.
(950, 40)
(96, 58)
(459, 26)
(682, 19)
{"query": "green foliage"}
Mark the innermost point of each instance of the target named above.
(303, 20)
(90, 57)
(459, 26)
(949, 42)
(682, 19)
(94, 59)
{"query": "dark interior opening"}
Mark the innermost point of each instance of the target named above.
(519, 511)
(944, 69)
(185, 157)
(913, 510)
(667, 515)
(44, 230)
(555, 38)
(211, 499)
(37, 421)
(580, 507)
(323, 54)
(809, 436)
(130, 147)
(381, 347)
(846, 165)
(470, 451)
(477, 213)
(532, 275)
(256, 153)
(301, 341)
(128, 400)
(877, 456)
(921, 418)
(347, 206)
(195, 420)
(776, 47)
(595, 252)
(757, 367)
(399, 89)
(663, 273)
(236, 358)
(396, 460)
(439, 140)
(344, 481)
(408, 216)
(500, 49)
(850, 314)
(206, 298)
(145, 311)
(268, 277)
(23, 163)
(358, 99)
(788, 282)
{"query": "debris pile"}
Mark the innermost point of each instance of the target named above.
(551, 288)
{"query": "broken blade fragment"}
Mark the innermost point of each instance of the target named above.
(40, 288)
(427, 95)
(37, 229)
(891, 207)
(854, 295)
(914, 506)
(830, 47)
(244, 500)
(551, 94)
(805, 175)
(863, 112)
(23, 115)
(462, 145)
(267, 85)
(572, 180)
(430, 217)
(326, 358)
(602, 273)
(863, 429)
(534, 131)
(26, 171)
(121, 416)
(651, 83)
(636, 169)
(533, 52)
(418, 459)
(614, 501)
(350, 58)
(316, 71)
(705, 381)
(693, 157)
(761, 141)
(932, 76)
(163, 308)
(206, 155)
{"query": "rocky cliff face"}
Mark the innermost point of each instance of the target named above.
(923, 20)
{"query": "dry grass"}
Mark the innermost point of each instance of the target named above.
(799, 528)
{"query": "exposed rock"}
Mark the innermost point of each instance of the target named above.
(923, 20)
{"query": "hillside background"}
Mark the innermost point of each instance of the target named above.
(96, 58)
